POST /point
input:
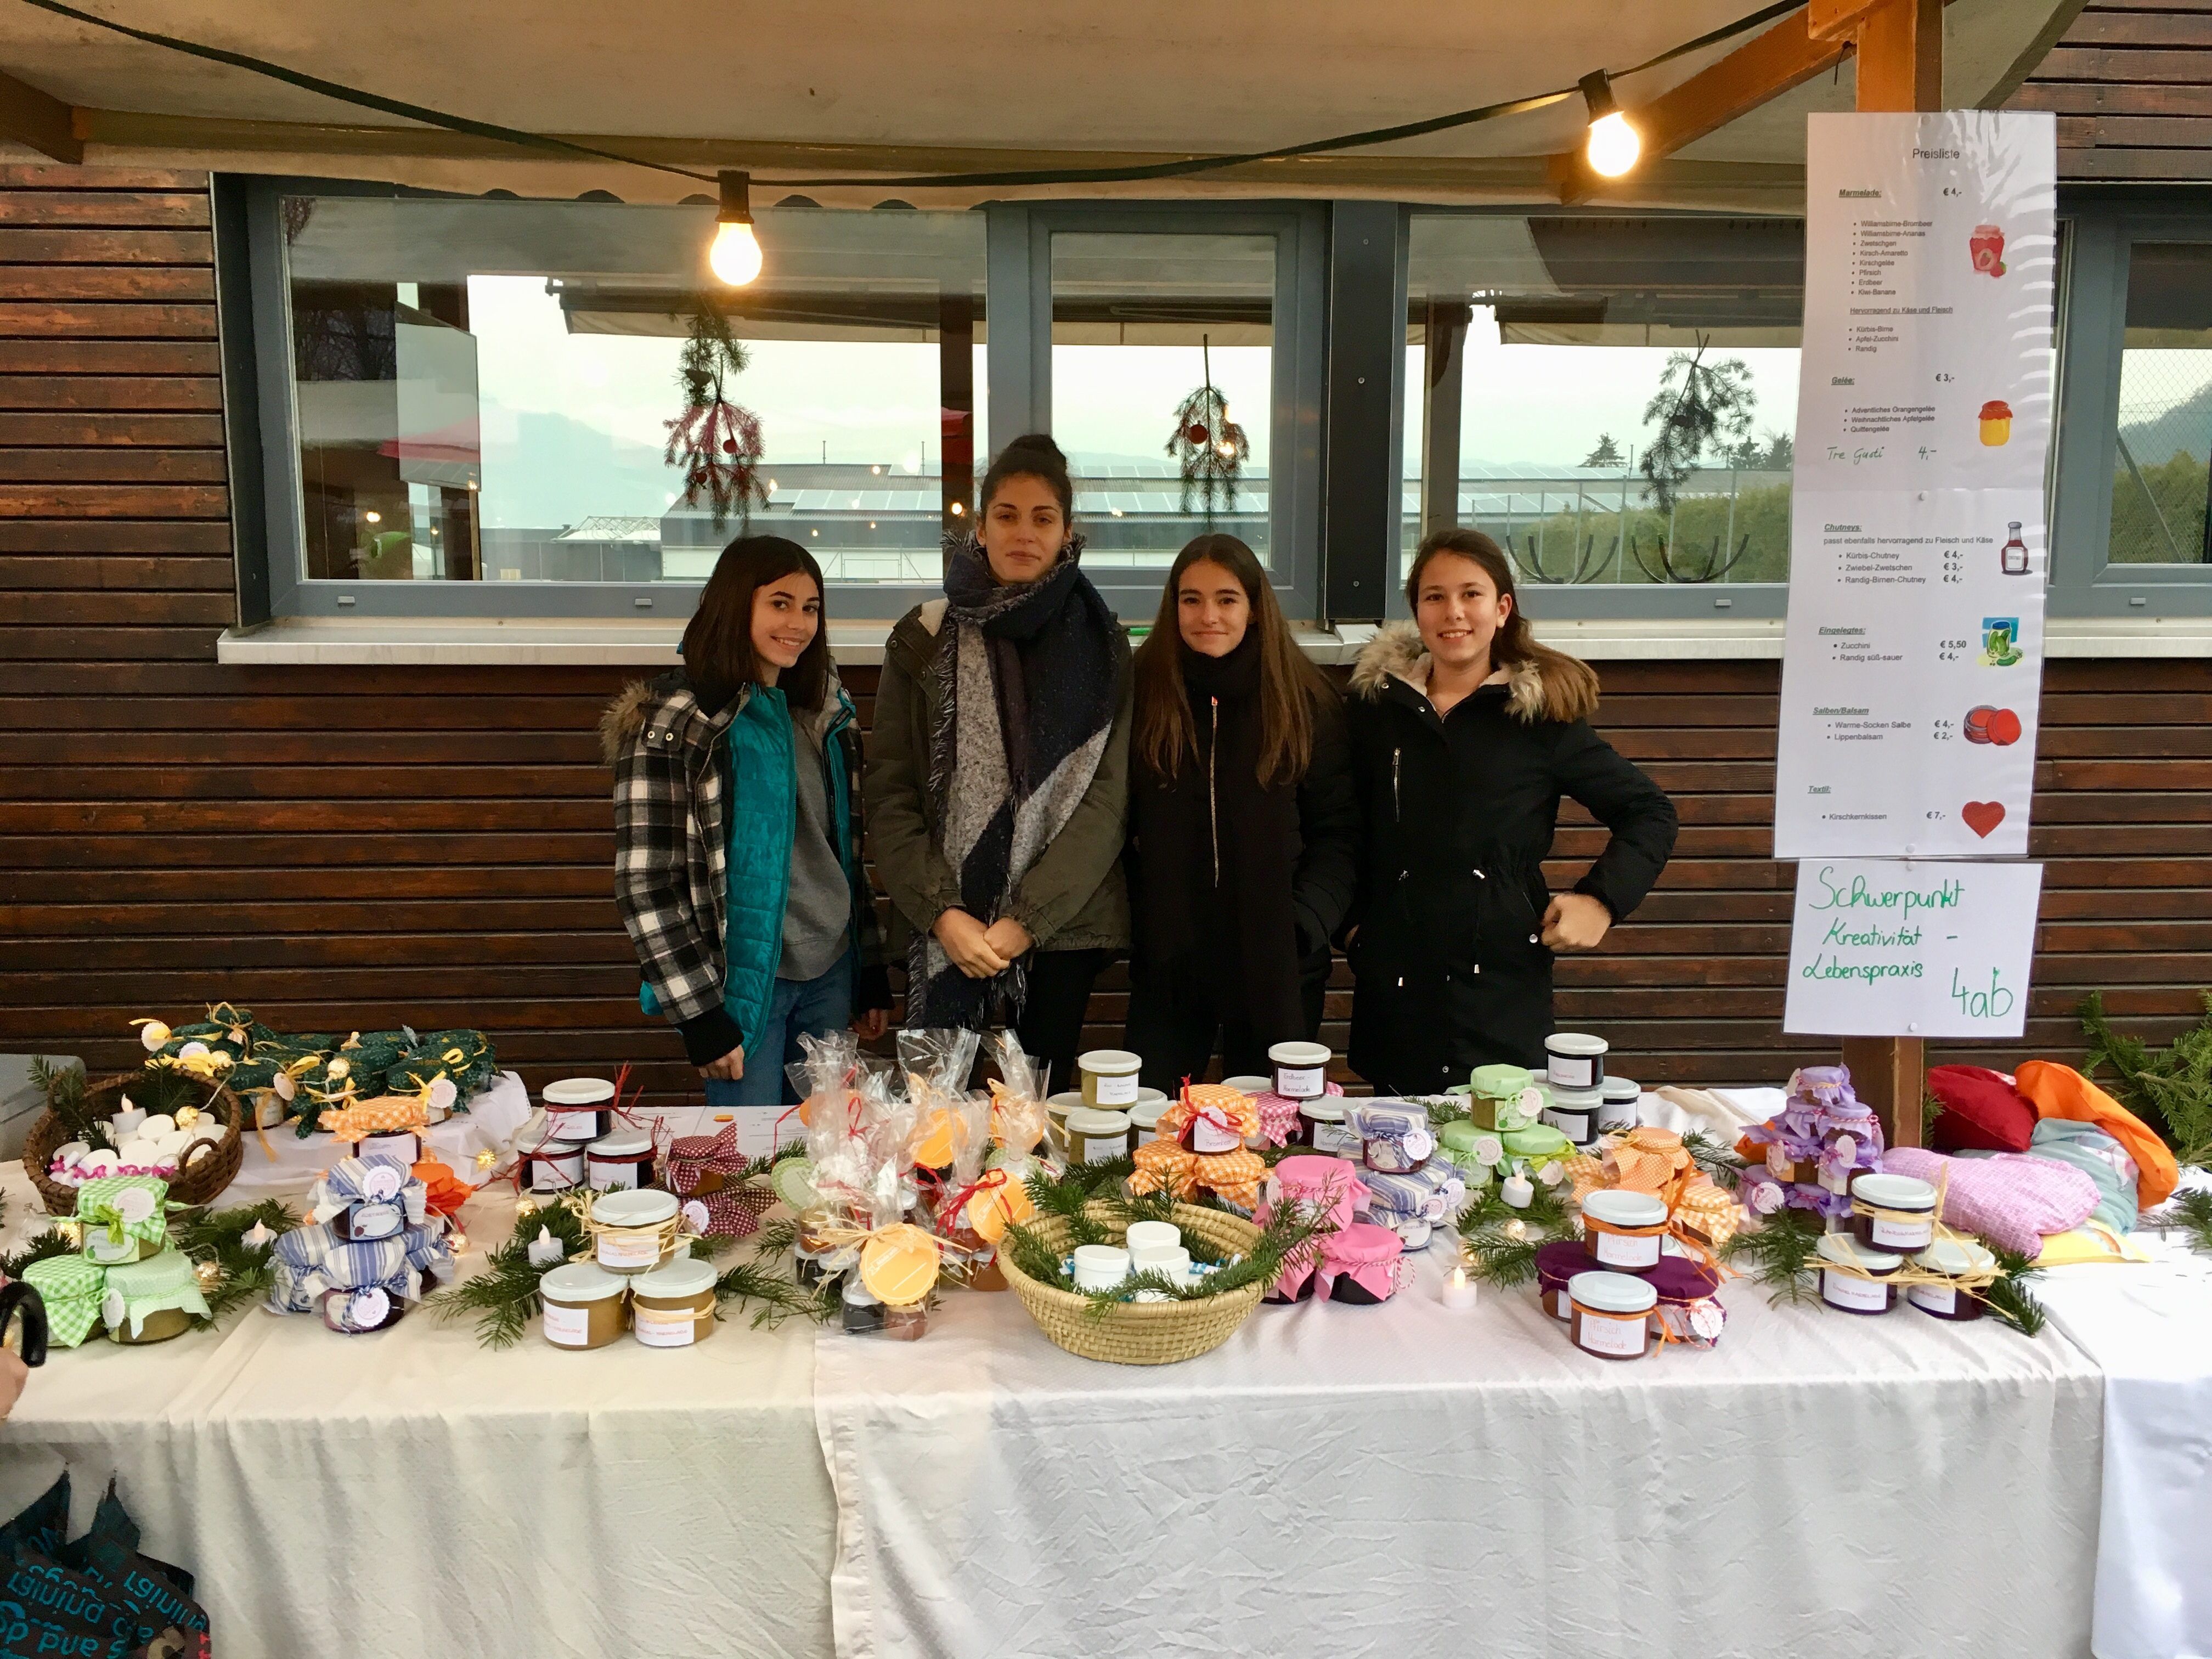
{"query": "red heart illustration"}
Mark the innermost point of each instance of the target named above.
(1983, 816)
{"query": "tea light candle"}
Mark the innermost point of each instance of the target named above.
(128, 1122)
(1517, 1191)
(1459, 1290)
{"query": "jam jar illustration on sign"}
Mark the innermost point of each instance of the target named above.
(1986, 247)
(2014, 560)
(1997, 423)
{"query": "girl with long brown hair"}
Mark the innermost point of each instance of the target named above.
(1242, 824)
(1466, 733)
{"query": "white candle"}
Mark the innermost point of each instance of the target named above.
(1459, 1290)
(1517, 1192)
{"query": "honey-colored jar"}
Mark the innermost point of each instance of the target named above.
(585, 1306)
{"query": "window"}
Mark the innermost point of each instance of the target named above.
(2163, 440)
(481, 395)
(1561, 370)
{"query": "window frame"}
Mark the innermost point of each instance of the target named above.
(2101, 225)
(254, 301)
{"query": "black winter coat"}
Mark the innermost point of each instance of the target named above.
(1459, 812)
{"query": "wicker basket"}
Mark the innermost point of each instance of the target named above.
(214, 1165)
(1140, 1333)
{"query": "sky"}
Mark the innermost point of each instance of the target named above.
(573, 423)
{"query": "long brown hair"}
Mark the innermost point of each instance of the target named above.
(718, 641)
(1570, 684)
(1288, 682)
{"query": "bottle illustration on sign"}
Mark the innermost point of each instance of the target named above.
(2014, 560)
(2000, 641)
(1986, 725)
(1997, 423)
(1986, 247)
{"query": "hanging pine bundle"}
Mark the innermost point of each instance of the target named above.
(715, 442)
(1207, 445)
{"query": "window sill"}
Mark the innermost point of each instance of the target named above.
(477, 642)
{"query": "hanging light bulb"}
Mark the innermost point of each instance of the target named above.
(736, 255)
(1612, 146)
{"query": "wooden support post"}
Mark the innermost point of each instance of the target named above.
(38, 120)
(1444, 362)
(1900, 67)
(955, 398)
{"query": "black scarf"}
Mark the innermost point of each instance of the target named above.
(1026, 680)
(1239, 918)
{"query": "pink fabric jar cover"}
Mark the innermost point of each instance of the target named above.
(1279, 1114)
(1373, 1255)
(1330, 1185)
(2012, 1199)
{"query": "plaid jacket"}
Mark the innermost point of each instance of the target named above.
(671, 855)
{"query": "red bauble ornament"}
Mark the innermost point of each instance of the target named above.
(729, 445)
(1195, 433)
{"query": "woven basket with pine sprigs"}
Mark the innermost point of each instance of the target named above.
(77, 1110)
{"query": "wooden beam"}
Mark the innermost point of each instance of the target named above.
(38, 120)
(1838, 19)
(1888, 1073)
(1900, 55)
(1786, 55)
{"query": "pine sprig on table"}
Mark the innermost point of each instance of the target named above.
(50, 1243)
(504, 1296)
(1546, 1212)
(218, 1237)
(1497, 1257)
(1782, 1252)
(2173, 1088)
(2195, 1210)
(779, 1297)
(776, 1237)
(2009, 1298)
(1717, 1161)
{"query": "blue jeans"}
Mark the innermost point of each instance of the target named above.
(809, 1008)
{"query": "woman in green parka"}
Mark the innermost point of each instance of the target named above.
(738, 831)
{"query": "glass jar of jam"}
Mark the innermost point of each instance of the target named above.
(1955, 1258)
(1905, 1218)
(584, 1305)
(1609, 1314)
(1866, 1291)
(1622, 1230)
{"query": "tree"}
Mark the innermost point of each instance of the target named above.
(1606, 454)
(1699, 406)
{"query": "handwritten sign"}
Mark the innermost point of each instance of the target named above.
(1880, 948)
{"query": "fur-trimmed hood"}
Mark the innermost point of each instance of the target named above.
(629, 714)
(1535, 689)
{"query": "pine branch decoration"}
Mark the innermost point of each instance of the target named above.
(217, 1237)
(2008, 1299)
(1208, 448)
(2195, 1210)
(504, 1296)
(717, 443)
(1784, 1252)
(2173, 1089)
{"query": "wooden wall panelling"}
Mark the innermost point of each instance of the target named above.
(2131, 84)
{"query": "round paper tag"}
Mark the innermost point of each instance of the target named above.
(367, 1309)
(135, 1205)
(793, 1181)
(899, 1264)
(991, 1210)
(697, 1217)
(932, 1141)
(382, 1182)
(1778, 1162)
(111, 1310)
(1418, 1144)
(443, 1094)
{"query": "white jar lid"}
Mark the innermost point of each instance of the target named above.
(1249, 1085)
(1109, 1062)
(1956, 1257)
(1145, 1114)
(1152, 1097)
(634, 1206)
(685, 1276)
(577, 1092)
(1064, 1101)
(1619, 1294)
(1622, 1089)
(1154, 1235)
(580, 1281)
(623, 1143)
(1894, 1192)
(1844, 1249)
(1303, 1055)
(1329, 1108)
(1084, 1120)
(1576, 1100)
(1575, 1042)
(549, 1143)
(1103, 1258)
(1621, 1209)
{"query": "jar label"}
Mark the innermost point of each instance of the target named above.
(371, 1221)
(1300, 1082)
(606, 1177)
(1095, 1150)
(620, 1250)
(1935, 1299)
(1574, 1125)
(568, 1328)
(1859, 1295)
(1604, 1334)
(1207, 1136)
(1115, 1091)
(1626, 1250)
(554, 1175)
(1572, 1070)
(1900, 1235)
(664, 1327)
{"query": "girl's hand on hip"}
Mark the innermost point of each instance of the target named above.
(967, 941)
(870, 1026)
(729, 1067)
(1574, 921)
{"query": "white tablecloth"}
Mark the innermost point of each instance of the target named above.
(1410, 1479)
(411, 1494)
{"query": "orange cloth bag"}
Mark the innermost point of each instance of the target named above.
(2056, 1090)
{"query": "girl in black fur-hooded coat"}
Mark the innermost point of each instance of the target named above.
(1465, 734)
